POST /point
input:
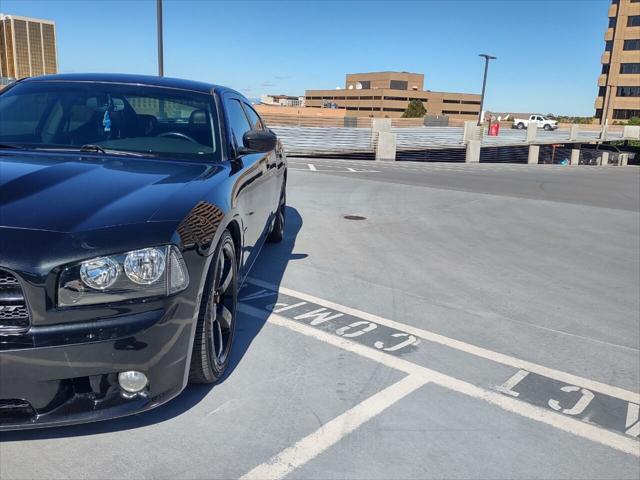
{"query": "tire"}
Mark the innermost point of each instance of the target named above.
(520, 126)
(547, 127)
(217, 317)
(277, 230)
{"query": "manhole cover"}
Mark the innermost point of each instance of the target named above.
(354, 217)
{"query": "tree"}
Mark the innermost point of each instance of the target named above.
(634, 121)
(415, 109)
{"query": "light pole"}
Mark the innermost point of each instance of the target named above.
(160, 51)
(484, 83)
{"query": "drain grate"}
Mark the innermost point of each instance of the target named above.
(354, 217)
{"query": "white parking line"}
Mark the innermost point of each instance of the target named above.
(565, 423)
(465, 347)
(333, 431)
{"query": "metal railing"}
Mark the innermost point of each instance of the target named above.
(326, 140)
(335, 135)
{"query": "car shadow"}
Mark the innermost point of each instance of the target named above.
(269, 267)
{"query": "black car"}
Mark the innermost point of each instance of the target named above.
(131, 210)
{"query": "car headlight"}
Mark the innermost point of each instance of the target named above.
(149, 272)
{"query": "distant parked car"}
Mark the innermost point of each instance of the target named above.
(538, 120)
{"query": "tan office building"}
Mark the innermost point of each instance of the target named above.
(387, 94)
(27, 47)
(619, 83)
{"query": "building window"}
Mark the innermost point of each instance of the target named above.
(605, 68)
(608, 45)
(399, 85)
(470, 102)
(35, 44)
(630, 68)
(366, 84)
(366, 98)
(450, 101)
(393, 109)
(625, 114)
(633, 44)
(602, 91)
(423, 100)
(633, 21)
(49, 48)
(628, 91)
(612, 22)
(450, 112)
(399, 99)
(598, 113)
(377, 98)
(22, 49)
(469, 113)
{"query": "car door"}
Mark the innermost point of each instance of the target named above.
(252, 186)
(274, 180)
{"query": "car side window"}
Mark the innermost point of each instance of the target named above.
(254, 118)
(237, 120)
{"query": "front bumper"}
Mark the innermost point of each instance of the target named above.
(65, 374)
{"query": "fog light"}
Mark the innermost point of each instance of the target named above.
(132, 381)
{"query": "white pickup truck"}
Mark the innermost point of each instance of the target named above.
(538, 120)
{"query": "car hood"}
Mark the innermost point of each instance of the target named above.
(71, 193)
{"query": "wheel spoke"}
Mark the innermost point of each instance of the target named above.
(220, 351)
(225, 318)
(227, 280)
(219, 270)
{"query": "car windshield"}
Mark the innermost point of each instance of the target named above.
(118, 118)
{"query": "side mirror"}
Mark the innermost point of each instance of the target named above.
(258, 141)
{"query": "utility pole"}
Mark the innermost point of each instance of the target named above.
(484, 83)
(160, 49)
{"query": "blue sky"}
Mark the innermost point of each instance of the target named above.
(548, 51)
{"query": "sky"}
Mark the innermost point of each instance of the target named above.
(548, 52)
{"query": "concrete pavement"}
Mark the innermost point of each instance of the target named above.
(510, 291)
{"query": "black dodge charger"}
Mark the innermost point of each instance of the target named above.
(131, 210)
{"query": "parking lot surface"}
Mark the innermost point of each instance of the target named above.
(418, 321)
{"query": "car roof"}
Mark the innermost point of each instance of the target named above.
(147, 80)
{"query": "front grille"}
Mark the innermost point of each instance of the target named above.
(15, 409)
(7, 278)
(14, 314)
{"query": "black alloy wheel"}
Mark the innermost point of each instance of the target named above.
(277, 230)
(216, 321)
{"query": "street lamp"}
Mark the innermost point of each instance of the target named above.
(160, 52)
(484, 83)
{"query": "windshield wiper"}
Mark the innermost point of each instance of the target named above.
(110, 151)
(92, 148)
(95, 149)
(10, 146)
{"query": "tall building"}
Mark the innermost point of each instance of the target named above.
(619, 83)
(27, 47)
(387, 94)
